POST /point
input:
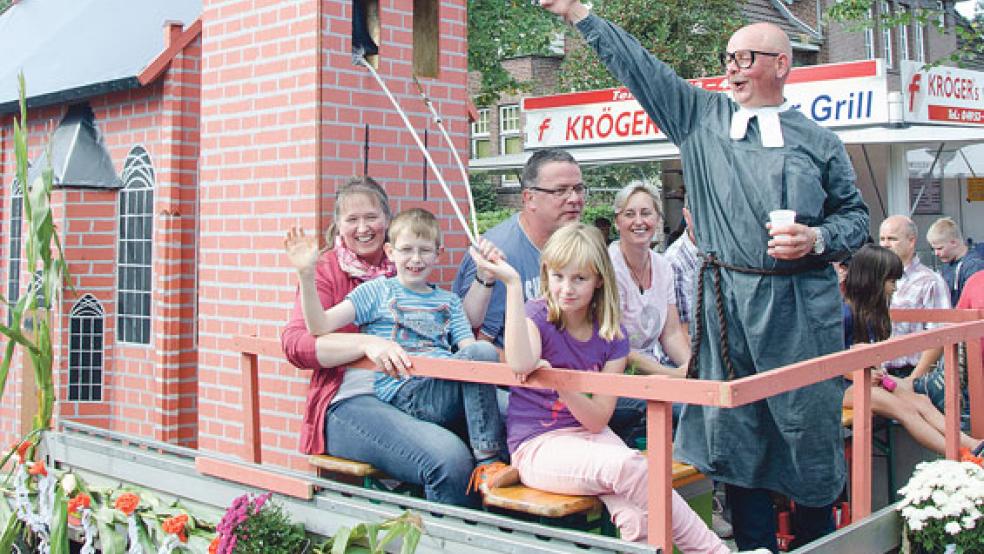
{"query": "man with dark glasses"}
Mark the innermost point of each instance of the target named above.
(744, 156)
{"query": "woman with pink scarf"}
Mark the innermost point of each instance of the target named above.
(342, 416)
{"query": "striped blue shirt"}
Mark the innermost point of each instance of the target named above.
(425, 324)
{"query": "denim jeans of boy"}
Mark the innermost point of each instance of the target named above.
(367, 429)
(451, 404)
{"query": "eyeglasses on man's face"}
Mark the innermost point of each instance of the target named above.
(743, 59)
(563, 192)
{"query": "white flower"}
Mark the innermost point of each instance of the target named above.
(943, 496)
(68, 483)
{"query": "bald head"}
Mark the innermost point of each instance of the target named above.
(898, 234)
(760, 84)
(767, 37)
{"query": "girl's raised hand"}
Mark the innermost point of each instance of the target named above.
(491, 263)
(302, 250)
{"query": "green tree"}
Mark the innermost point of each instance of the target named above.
(501, 29)
(483, 192)
(685, 34)
(859, 15)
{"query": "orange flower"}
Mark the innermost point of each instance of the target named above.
(213, 546)
(966, 456)
(176, 526)
(81, 500)
(127, 503)
(37, 468)
(22, 451)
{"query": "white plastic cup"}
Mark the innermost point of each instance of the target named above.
(782, 218)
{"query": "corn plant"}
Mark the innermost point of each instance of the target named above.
(29, 322)
(43, 252)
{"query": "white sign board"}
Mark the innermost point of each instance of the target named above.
(942, 95)
(833, 95)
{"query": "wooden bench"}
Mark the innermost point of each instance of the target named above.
(359, 473)
(331, 464)
(584, 512)
(885, 447)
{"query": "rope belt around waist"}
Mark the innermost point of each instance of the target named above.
(710, 261)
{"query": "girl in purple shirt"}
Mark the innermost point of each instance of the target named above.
(560, 440)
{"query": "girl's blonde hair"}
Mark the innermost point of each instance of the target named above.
(583, 246)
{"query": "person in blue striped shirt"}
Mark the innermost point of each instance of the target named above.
(420, 319)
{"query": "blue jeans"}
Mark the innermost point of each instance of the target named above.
(453, 403)
(367, 429)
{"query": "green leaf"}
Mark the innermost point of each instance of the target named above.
(411, 540)
(59, 524)
(340, 540)
(198, 543)
(110, 541)
(11, 529)
(105, 514)
(397, 529)
(143, 536)
(8, 356)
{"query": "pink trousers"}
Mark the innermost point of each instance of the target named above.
(576, 461)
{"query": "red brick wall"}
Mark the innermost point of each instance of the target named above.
(267, 164)
(148, 390)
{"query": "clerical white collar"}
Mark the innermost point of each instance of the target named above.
(769, 127)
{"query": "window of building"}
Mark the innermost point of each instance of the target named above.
(886, 38)
(941, 8)
(869, 37)
(481, 143)
(510, 137)
(426, 38)
(135, 246)
(510, 133)
(14, 262)
(918, 42)
(365, 29)
(85, 354)
(904, 40)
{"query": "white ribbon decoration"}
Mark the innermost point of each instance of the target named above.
(89, 530)
(132, 536)
(169, 544)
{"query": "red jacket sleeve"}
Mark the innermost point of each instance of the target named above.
(333, 285)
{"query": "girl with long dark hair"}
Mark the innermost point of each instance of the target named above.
(868, 290)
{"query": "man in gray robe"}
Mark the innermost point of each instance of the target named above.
(742, 158)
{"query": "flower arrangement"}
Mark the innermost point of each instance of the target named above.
(943, 505)
(253, 525)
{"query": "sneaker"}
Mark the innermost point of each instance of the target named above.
(492, 476)
(719, 524)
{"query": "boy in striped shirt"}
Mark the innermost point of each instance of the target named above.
(421, 319)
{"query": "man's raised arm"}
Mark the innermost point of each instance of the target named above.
(571, 10)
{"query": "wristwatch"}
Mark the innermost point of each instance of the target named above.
(819, 245)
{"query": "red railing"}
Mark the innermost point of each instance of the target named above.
(660, 392)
